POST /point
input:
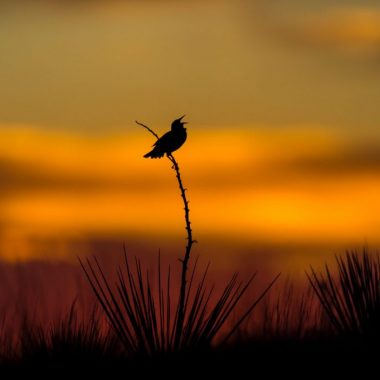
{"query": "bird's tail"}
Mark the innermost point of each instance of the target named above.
(153, 154)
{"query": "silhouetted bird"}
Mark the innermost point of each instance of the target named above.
(170, 141)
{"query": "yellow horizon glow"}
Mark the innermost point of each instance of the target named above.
(244, 186)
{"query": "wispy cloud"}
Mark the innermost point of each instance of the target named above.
(350, 30)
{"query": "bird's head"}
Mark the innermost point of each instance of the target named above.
(178, 124)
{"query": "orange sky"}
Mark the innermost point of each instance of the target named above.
(96, 65)
(282, 161)
(251, 188)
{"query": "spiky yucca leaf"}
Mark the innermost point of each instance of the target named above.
(145, 317)
(351, 300)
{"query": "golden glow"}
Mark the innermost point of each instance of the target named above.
(244, 187)
(282, 100)
(353, 28)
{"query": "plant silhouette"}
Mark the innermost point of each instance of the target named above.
(168, 144)
(351, 300)
(141, 314)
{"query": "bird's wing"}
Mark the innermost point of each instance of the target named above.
(163, 140)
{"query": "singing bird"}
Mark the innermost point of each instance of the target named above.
(170, 141)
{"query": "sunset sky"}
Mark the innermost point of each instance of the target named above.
(282, 99)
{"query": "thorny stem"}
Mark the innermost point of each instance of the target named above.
(190, 242)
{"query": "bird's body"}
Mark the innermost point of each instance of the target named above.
(170, 141)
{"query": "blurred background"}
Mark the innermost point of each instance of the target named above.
(282, 99)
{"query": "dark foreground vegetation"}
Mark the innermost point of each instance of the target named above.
(333, 326)
(158, 324)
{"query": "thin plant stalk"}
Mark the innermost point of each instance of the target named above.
(190, 241)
